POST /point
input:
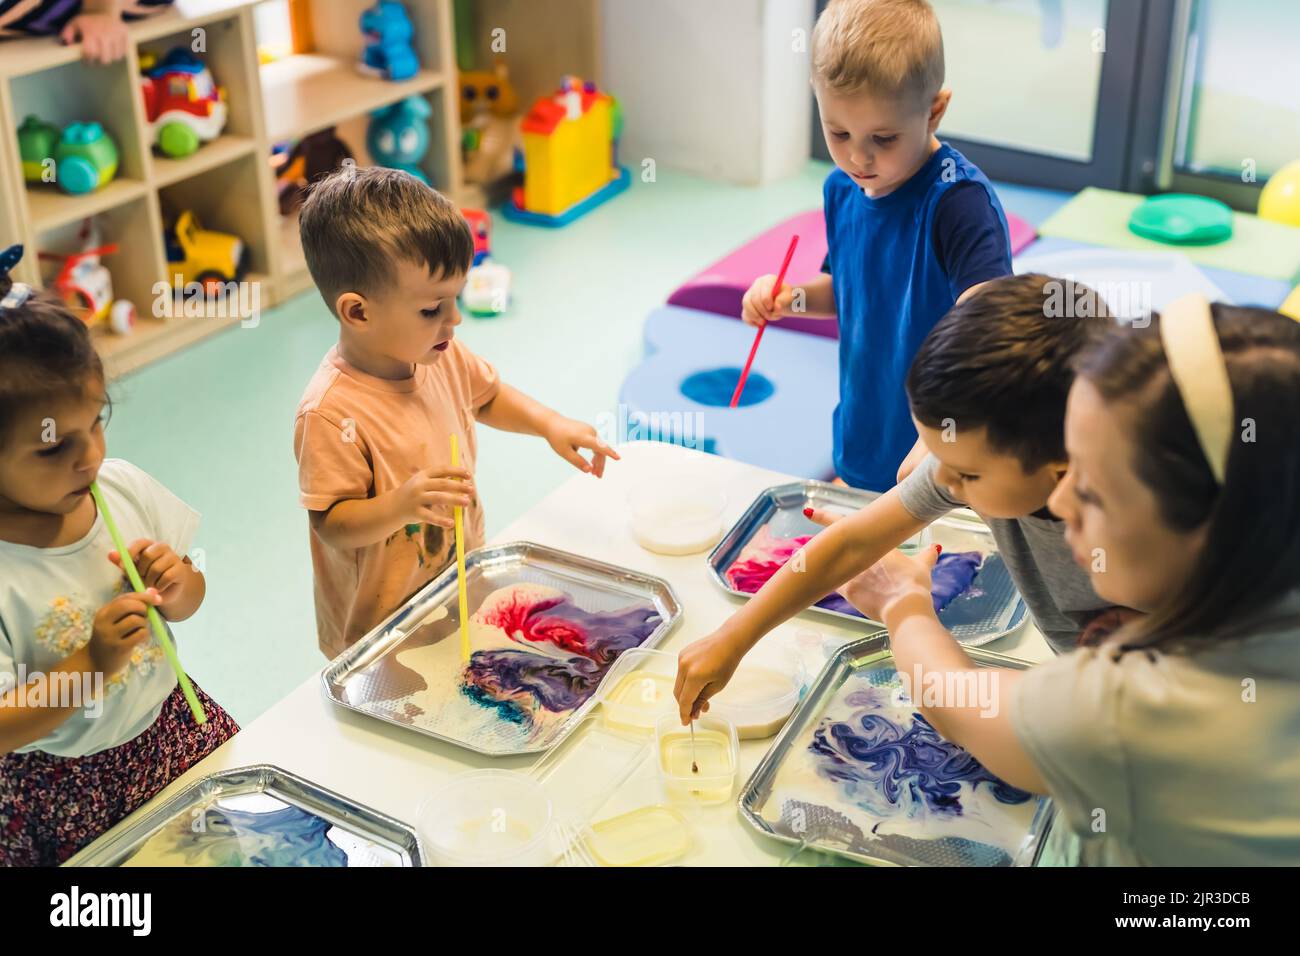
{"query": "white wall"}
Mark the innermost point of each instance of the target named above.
(711, 87)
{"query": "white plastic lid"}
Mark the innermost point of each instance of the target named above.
(758, 700)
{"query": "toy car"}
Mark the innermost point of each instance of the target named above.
(210, 258)
(36, 142)
(182, 103)
(86, 286)
(84, 156)
(480, 226)
(487, 289)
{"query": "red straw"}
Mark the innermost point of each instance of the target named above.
(753, 349)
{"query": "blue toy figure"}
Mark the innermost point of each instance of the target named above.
(388, 34)
(398, 136)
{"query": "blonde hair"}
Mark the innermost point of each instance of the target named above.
(886, 47)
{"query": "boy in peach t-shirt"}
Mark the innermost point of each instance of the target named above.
(390, 256)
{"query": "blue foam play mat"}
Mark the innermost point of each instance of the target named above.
(680, 392)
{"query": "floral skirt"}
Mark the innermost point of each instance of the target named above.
(50, 807)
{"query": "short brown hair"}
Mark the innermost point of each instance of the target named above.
(1003, 360)
(887, 47)
(356, 221)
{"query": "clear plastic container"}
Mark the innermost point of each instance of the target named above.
(716, 754)
(488, 818)
(922, 539)
(683, 516)
(758, 700)
(638, 691)
(646, 836)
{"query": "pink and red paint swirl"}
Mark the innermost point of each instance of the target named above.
(562, 651)
(765, 554)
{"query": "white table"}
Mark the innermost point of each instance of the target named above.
(391, 769)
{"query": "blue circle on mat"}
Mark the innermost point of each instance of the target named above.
(716, 386)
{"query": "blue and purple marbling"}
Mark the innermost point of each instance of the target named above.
(877, 763)
(536, 658)
(218, 835)
(560, 654)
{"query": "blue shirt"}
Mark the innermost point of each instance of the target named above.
(899, 263)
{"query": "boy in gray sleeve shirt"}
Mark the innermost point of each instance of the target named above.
(987, 391)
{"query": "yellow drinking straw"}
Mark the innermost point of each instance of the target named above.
(155, 620)
(460, 563)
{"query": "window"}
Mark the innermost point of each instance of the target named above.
(1239, 99)
(1025, 74)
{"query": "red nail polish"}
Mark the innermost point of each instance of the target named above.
(938, 549)
(807, 512)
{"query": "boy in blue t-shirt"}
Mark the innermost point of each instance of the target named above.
(911, 225)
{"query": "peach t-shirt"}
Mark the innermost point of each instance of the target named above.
(358, 436)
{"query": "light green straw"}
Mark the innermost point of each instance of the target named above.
(154, 619)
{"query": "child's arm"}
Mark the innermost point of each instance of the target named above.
(119, 626)
(832, 557)
(896, 592)
(181, 585)
(427, 497)
(817, 300)
(512, 411)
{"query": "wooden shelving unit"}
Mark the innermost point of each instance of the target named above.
(307, 92)
(228, 182)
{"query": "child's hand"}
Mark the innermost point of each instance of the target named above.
(703, 669)
(891, 579)
(757, 308)
(119, 626)
(103, 36)
(161, 568)
(430, 494)
(566, 436)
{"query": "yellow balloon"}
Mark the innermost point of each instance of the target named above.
(1279, 200)
(1291, 306)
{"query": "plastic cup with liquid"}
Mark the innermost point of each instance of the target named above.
(715, 755)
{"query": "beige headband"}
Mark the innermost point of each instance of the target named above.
(1197, 366)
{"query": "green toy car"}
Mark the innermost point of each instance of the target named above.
(84, 155)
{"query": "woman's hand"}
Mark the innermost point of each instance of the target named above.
(896, 581)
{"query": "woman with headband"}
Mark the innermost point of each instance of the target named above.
(1173, 741)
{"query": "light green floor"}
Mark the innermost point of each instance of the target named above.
(215, 423)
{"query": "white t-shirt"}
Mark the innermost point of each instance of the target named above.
(49, 598)
(1173, 758)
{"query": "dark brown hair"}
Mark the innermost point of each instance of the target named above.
(1003, 360)
(357, 221)
(46, 355)
(1252, 542)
